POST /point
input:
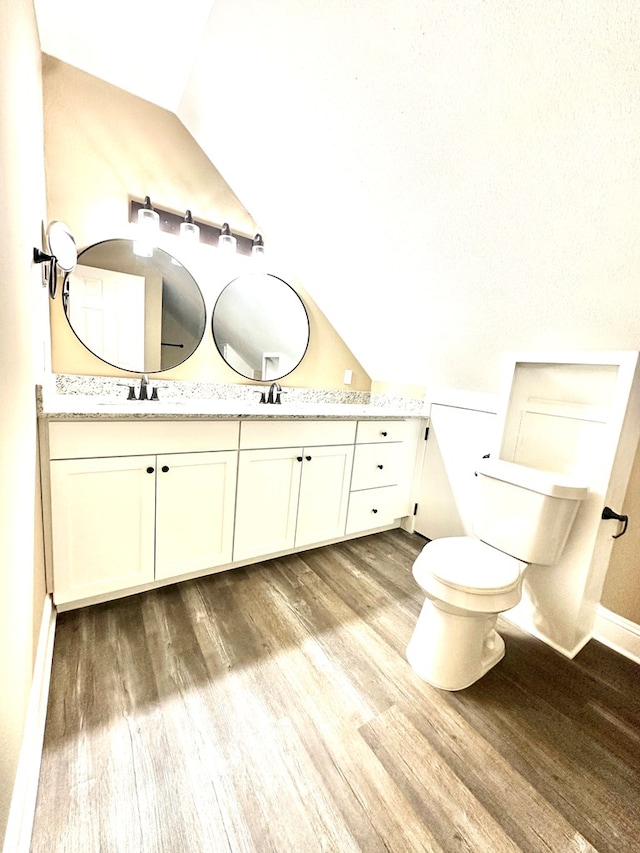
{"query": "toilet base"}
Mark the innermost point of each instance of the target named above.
(451, 648)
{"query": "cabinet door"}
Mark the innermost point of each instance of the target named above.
(267, 501)
(324, 494)
(194, 511)
(458, 439)
(103, 525)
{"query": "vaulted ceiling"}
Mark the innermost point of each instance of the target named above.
(450, 179)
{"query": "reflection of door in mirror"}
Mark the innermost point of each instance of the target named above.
(107, 310)
(145, 315)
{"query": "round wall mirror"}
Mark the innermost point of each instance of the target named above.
(260, 326)
(140, 314)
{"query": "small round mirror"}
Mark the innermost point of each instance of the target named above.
(260, 326)
(62, 246)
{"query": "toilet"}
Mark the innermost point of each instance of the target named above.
(521, 516)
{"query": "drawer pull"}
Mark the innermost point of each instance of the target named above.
(165, 468)
(374, 511)
(381, 467)
(150, 470)
(384, 434)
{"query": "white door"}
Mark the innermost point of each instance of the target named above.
(194, 511)
(103, 525)
(324, 494)
(107, 312)
(267, 501)
(458, 439)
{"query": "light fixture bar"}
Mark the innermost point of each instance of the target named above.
(170, 223)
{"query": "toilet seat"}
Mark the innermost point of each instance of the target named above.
(467, 574)
(465, 563)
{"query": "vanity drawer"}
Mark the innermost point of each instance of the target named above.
(91, 439)
(381, 431)
(373, 508)
(376, 465)
(257, 435)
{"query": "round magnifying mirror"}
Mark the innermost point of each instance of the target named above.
(62, 245)
(260, 326)
(140, 314)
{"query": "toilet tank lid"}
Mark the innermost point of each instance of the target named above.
(544, 482)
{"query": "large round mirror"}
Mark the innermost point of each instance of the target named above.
(260, 326)
(136, 313)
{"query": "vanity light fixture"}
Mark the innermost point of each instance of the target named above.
(148, 228)
(171, 223)
(189, 231)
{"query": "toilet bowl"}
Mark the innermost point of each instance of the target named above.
(467, 584)
(524, 516)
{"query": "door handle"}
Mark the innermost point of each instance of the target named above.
(608, 513)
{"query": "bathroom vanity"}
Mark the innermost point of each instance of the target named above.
(133, 502)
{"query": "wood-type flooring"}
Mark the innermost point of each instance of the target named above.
(271, 708)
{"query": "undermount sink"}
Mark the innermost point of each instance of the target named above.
(124, 403)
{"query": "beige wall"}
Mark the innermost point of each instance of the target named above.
(621, 593)
(103, 146)
(22, 200)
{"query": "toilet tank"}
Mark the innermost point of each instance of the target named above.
(525, 512)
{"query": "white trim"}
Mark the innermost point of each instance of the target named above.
(530, 629)
(618, 633)
(476, 400)
(23, 801)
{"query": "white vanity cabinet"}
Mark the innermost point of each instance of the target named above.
(134, 503)
(291, 493)
(122, 519)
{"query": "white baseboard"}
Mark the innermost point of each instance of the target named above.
(25, 790)
(618, 633)
(526, 625)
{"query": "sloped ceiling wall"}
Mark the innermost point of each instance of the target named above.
(450, 179)
(456, 179)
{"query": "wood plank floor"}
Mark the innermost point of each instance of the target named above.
(272, 709)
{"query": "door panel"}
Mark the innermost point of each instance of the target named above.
(194, 512)
(267, 502)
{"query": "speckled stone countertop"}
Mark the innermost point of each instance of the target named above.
(69, 397)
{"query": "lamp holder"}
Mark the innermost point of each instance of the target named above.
(50, 275)
(170, 223)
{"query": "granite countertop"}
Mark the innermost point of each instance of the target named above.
(83, 398)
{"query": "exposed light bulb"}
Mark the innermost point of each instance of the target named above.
(189, 231)
(226, 240)
(257, 248)
(147, 231)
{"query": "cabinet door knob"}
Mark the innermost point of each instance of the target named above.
(381, 467)
(383, 433)
(308, 458)
(299, 458)
(165, 468)
(374, 511)
(150, 470)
